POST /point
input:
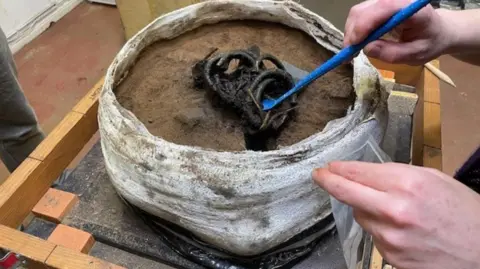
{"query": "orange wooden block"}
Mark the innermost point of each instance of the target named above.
(54, 205)
(387, 74)
(72, 238)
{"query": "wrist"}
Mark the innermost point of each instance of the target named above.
(459, 31)
(449, 31)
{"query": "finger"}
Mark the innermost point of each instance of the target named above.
(394, 52)
(365, 220)
(384, 250)
(369, 222)
(349, 192)
(376, 227)
(353, 16)
(380, 177)
(369, 16)
(348, 25)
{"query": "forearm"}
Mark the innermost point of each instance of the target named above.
(463, 32)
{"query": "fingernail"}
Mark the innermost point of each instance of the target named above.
(334, 163)
(333, 167)
(318, 171)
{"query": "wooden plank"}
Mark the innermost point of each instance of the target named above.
(44, 254)
(404, 74)
(135, 15)
(160, 7)
(64, 258)
(432, 85)
(34, 249)
(432, 158)
(66, 140)
(21, 188)
(90, 101)
(24, 188)
(432, 125)
(387, 75)
(377, 260)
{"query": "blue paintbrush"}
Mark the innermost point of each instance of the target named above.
(349, 52)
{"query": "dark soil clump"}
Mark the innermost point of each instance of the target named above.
(240, 80)
(160, 89)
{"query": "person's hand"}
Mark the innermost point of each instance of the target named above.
(423, 37)
(419, 218)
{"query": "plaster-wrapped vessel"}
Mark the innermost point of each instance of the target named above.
(245, 202)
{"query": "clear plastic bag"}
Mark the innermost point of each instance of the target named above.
(350, 233)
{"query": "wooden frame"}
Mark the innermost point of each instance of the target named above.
(136, 14)
(26, 185)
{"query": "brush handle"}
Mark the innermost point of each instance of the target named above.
(350, 51)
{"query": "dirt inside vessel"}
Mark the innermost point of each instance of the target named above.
(160, 90)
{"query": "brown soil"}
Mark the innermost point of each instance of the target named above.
(159, 88)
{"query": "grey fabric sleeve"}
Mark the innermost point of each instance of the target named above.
(19, 130)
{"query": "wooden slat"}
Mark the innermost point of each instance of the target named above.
(64, 258)
(377, 260)
(34, 249)
(387, 75)
(53, 147)
(160, 7)
(135, 15)
(24, 188)
(21, 191)
(432, 85)
(432, 158)
(404, 74)
(432, 125)
(90, 101)
(44, 254)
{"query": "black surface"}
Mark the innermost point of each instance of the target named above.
(469, 173)
(40, 228)
(102, 213)
(123, 258)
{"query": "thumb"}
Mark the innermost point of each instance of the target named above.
(395, 52)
